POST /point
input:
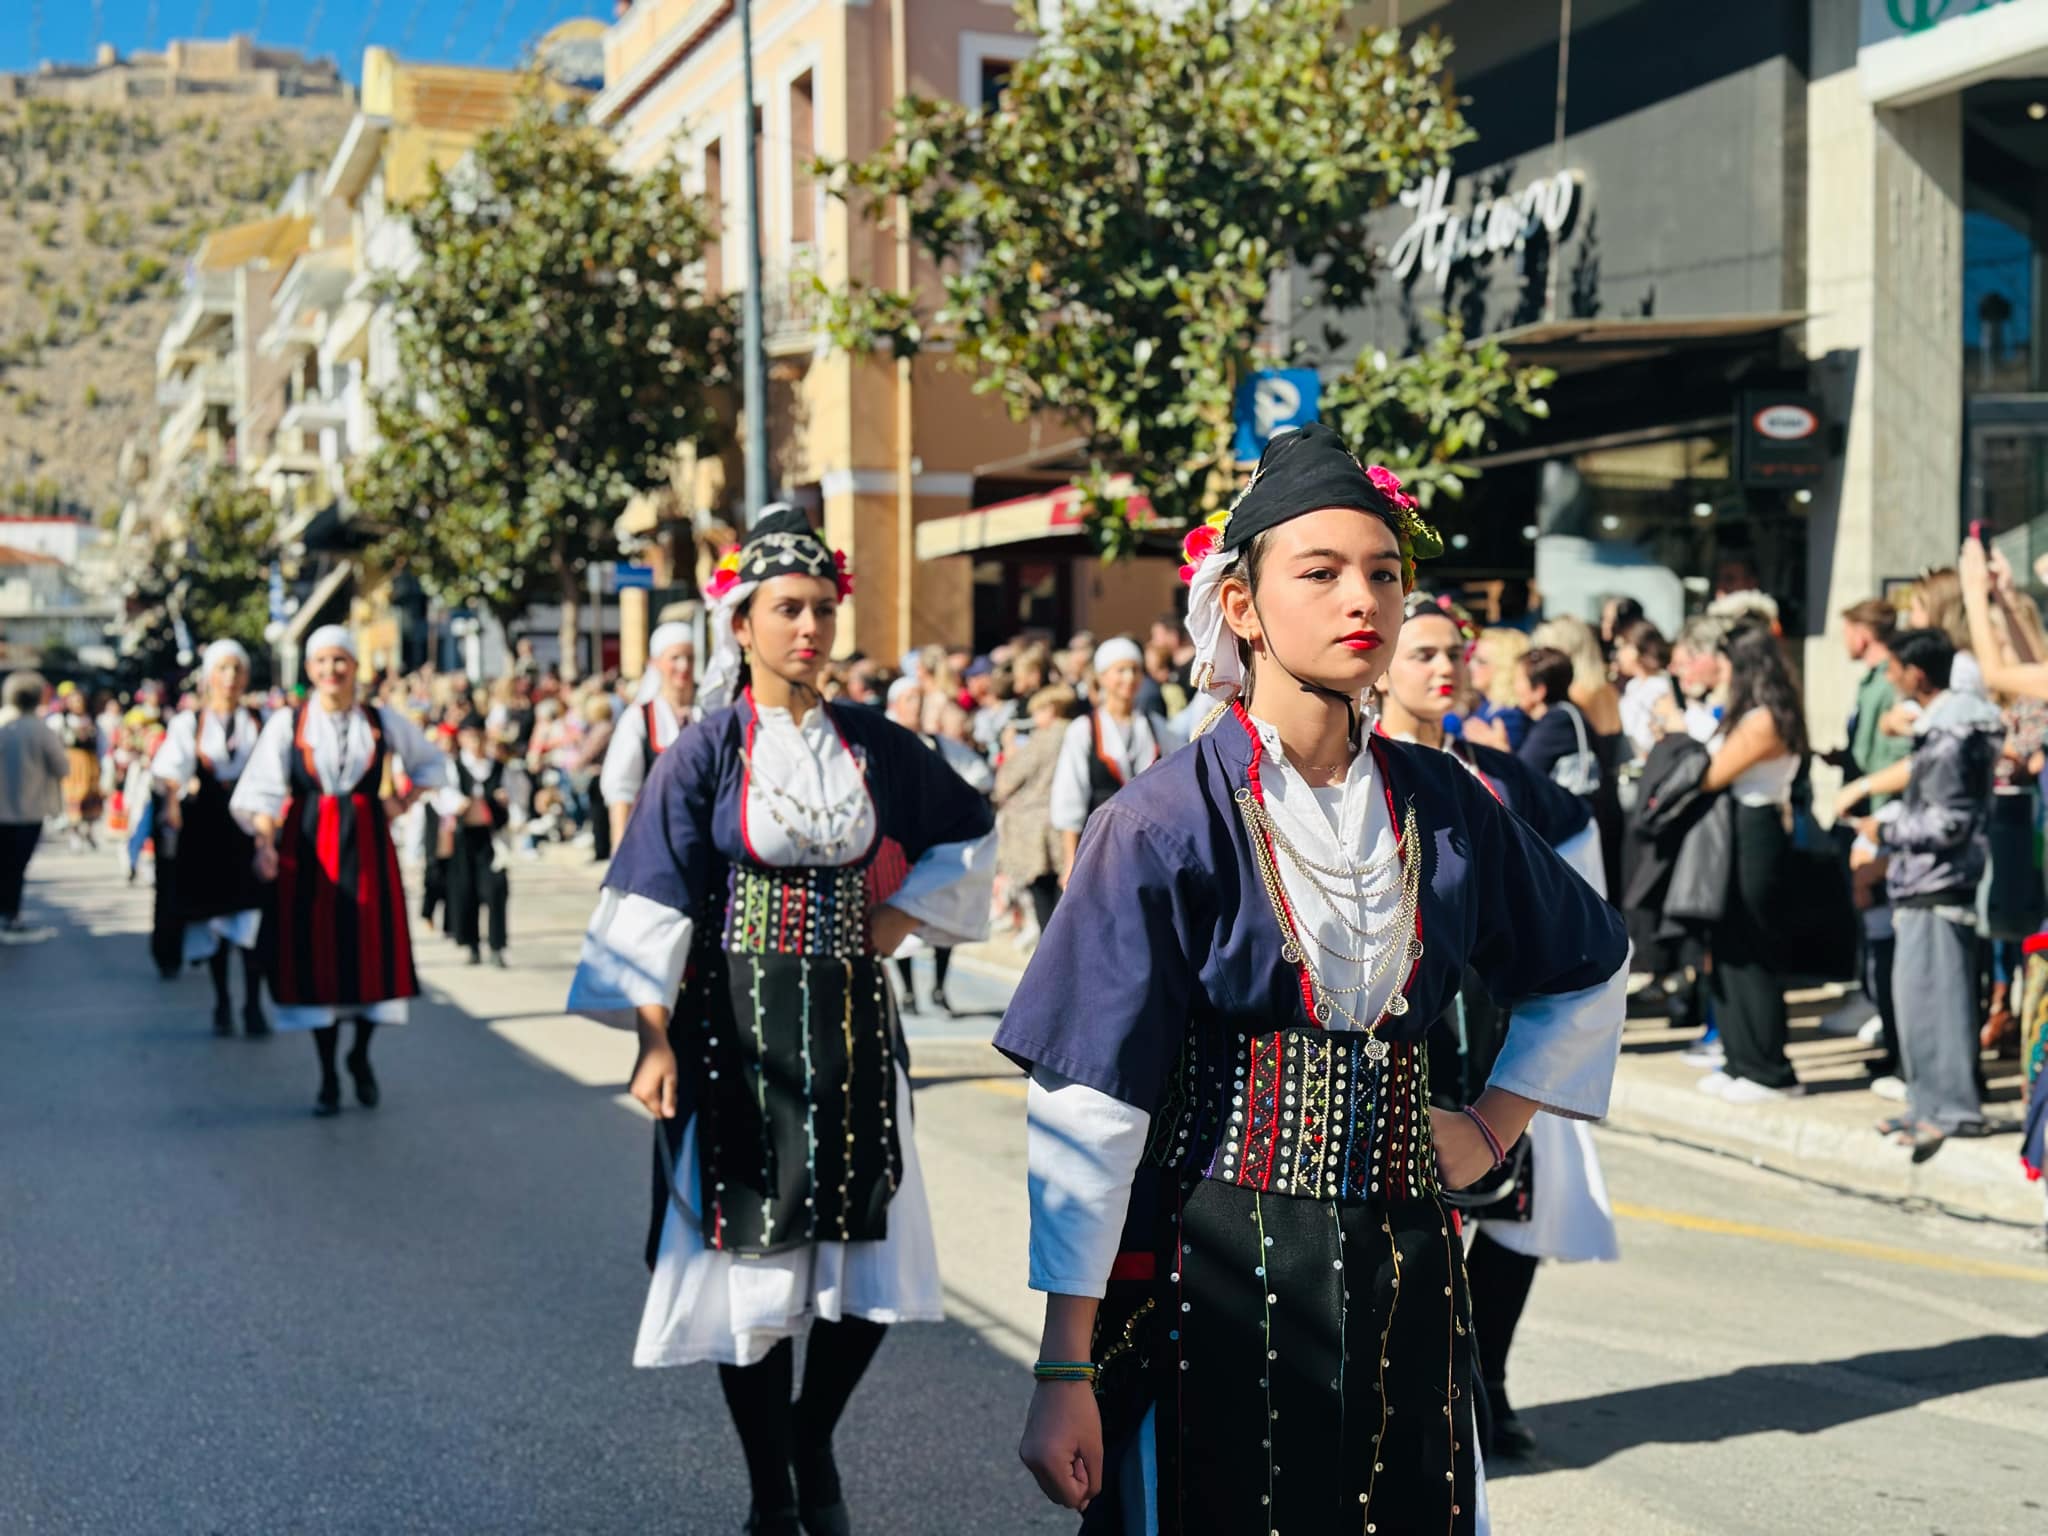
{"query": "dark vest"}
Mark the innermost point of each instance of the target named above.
(1105, 778)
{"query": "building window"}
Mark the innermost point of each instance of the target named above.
(714, 207)
(995, 75)
(803, 148)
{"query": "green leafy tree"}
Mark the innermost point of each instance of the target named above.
(1113, 227)
(557, 345)
(215, 572)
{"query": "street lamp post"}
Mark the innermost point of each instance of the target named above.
(754, 377)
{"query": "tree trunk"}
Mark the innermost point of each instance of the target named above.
(572, 614)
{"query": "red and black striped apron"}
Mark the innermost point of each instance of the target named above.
(339, 935)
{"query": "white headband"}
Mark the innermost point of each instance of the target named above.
(665, 638)
(330, 637)
(218, 652)
(1116, 653)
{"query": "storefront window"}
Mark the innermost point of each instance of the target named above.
(1998, 306)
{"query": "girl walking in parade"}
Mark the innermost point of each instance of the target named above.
(1550, 1201)
(1257, 1317)
(478, 806)
(318, 795)
(664, 703)
(783, 846)
(205, 864)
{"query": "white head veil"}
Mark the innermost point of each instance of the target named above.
(665, 638)
(218, 652)
(331, 637)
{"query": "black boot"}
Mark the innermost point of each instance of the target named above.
(217, 968)
(834, 1363)
(326, 1041)
(367, 1093)
(1512, 1439)
(254, 1024)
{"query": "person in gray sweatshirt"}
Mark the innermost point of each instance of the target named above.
(1933, 837)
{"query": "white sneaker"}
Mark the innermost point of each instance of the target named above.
(1706, 1054)
(1741, 1090)
(1889, 1087)
(1872, 1032)
(1714, 1084)
(17, 933)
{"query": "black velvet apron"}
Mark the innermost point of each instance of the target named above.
(788, 1026)
(1302, 1326)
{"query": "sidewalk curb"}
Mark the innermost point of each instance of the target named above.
(1975, 1178)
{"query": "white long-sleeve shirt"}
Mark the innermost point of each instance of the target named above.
(625, 760)
(342, 746)
(1133, 747)
(194, 734)
(635, 949)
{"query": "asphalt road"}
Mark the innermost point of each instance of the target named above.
(218, 1315)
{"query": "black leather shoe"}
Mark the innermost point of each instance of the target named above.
(1512, 1440)
(329, 1102)
(366, 1080)
(828, 1520)
(254, 1025)
(781, 1523)
(223, 1019)
(474, 957)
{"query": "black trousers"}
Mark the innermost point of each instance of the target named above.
(17, 843)
(1045, 895)
(475, 888)
(1749, 998)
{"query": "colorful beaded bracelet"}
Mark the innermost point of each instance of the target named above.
(1500, 1153)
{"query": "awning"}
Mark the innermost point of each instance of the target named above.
(1023, 520)
(1579, 346)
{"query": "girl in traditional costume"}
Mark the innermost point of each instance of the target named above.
(1551, 1201)
(318, 796)
(663, 704)
(205, 865)
(780, 848)
(477, 803)
(1236, 1178)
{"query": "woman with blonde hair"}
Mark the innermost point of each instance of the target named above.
(1496, 721)
(1600, 705)
(1936, 602)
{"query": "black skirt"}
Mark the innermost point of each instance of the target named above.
(1300, 1338)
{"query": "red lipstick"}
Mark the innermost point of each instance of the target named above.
(1361, 640)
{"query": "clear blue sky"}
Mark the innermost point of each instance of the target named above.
(449, 31)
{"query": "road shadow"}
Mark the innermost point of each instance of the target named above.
(1790, 1398)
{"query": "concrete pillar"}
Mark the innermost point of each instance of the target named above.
(633, 631)
(1884, 290)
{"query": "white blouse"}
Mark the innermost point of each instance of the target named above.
(1133, 748)
(625, 760)
(194, 734)
(1083, 1147)
(807, 806)
(342, 746)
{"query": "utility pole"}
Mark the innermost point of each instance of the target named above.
(754, 384)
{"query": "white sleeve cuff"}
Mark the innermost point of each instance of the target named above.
(948, 892)
(1561, 1050)
(634, 952)
(1082, 1149)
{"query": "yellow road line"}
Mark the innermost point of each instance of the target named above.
(1791, 1238)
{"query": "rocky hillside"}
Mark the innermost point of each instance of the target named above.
(102, 207)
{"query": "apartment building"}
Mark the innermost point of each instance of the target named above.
(952, 514)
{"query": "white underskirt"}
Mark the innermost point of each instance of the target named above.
(320, 1015)
(204, 938)
(705, 1305)
(1570, 1219)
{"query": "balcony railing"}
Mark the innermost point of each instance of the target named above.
(790, 301)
